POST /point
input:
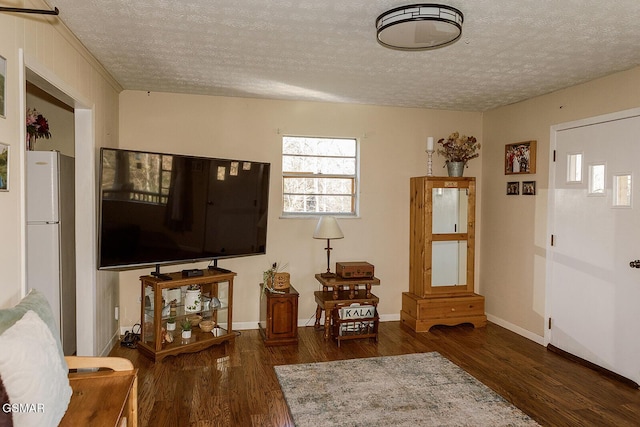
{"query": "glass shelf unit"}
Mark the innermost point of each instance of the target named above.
(216, 287)
(442, 255)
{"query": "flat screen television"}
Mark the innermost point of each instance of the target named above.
(158, 208)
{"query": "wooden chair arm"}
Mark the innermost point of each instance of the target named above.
(102, 398)
(87, 362)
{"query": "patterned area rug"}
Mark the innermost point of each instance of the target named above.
(423, 389)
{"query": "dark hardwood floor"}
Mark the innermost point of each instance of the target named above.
(235, 384)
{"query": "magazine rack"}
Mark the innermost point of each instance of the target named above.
(354, 321)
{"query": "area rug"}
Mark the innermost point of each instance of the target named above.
(423, 389)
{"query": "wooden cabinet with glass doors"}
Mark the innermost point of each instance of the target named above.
(442, 252)
(215, 302)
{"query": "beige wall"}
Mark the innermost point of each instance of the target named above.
(393, 142)
(514, 228)
(66, 68)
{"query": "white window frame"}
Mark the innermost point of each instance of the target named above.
(354, 177)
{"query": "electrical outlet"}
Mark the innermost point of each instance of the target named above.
(116, 314)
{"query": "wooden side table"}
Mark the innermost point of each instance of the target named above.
(279, 317)
(326, 301)
(337, 283)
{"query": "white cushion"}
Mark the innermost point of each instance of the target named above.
(32, 370)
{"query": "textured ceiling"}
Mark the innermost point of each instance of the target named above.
(326, 50)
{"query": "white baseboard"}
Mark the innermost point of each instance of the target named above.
(110, 345)
(516, 329)
(390, 317)
(245, 326)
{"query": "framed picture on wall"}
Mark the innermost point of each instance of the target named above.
(513, 188)
(520, 158)
(3, 85)
(4, 167)
(529, 188)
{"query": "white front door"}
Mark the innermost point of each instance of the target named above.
(593, 292)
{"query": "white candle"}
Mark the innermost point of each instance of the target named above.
(430, 143)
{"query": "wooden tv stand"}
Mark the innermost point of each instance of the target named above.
(214, 283)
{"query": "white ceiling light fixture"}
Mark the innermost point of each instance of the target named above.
(419, 27)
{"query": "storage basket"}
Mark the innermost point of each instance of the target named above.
(280, 281)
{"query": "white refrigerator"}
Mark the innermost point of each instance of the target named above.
(51, 239)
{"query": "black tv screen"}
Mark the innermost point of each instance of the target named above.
(158, 208)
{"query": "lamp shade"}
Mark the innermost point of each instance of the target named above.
(328, 228)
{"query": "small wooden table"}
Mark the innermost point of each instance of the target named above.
(327, 301)
(337, 283)
(279, 317)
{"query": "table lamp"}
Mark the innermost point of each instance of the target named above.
(328, 228)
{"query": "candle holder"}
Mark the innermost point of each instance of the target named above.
(430, 162)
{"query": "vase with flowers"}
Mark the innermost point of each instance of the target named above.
(458, 150)
(37, 127)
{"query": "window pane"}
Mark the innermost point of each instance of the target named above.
(319, 146)
(574, 167)
(317, 204)
(596, 179)
(319, 165)
(622, 190)
(318, 186)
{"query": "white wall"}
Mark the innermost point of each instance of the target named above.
(393, 142)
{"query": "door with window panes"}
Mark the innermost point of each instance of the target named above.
(594, 290)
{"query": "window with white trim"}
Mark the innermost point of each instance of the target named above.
(319, 176)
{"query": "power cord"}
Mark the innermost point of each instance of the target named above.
(131, 339)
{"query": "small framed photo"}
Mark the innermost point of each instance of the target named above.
(529, 188)
(520, 158)
(3, 86)
(513, 188)
(4, 167)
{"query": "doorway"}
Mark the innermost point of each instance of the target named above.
(594, 218)
(85, 181)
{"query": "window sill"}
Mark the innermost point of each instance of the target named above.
(317, 215)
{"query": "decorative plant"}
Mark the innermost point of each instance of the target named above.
(459, 148)
(171, 324)
(268, 276)
(186, 325)
(37, 125)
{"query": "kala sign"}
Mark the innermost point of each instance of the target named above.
(357, 312)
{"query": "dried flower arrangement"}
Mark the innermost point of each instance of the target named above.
(459, 148)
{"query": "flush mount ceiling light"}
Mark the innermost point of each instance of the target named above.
(419, 27)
